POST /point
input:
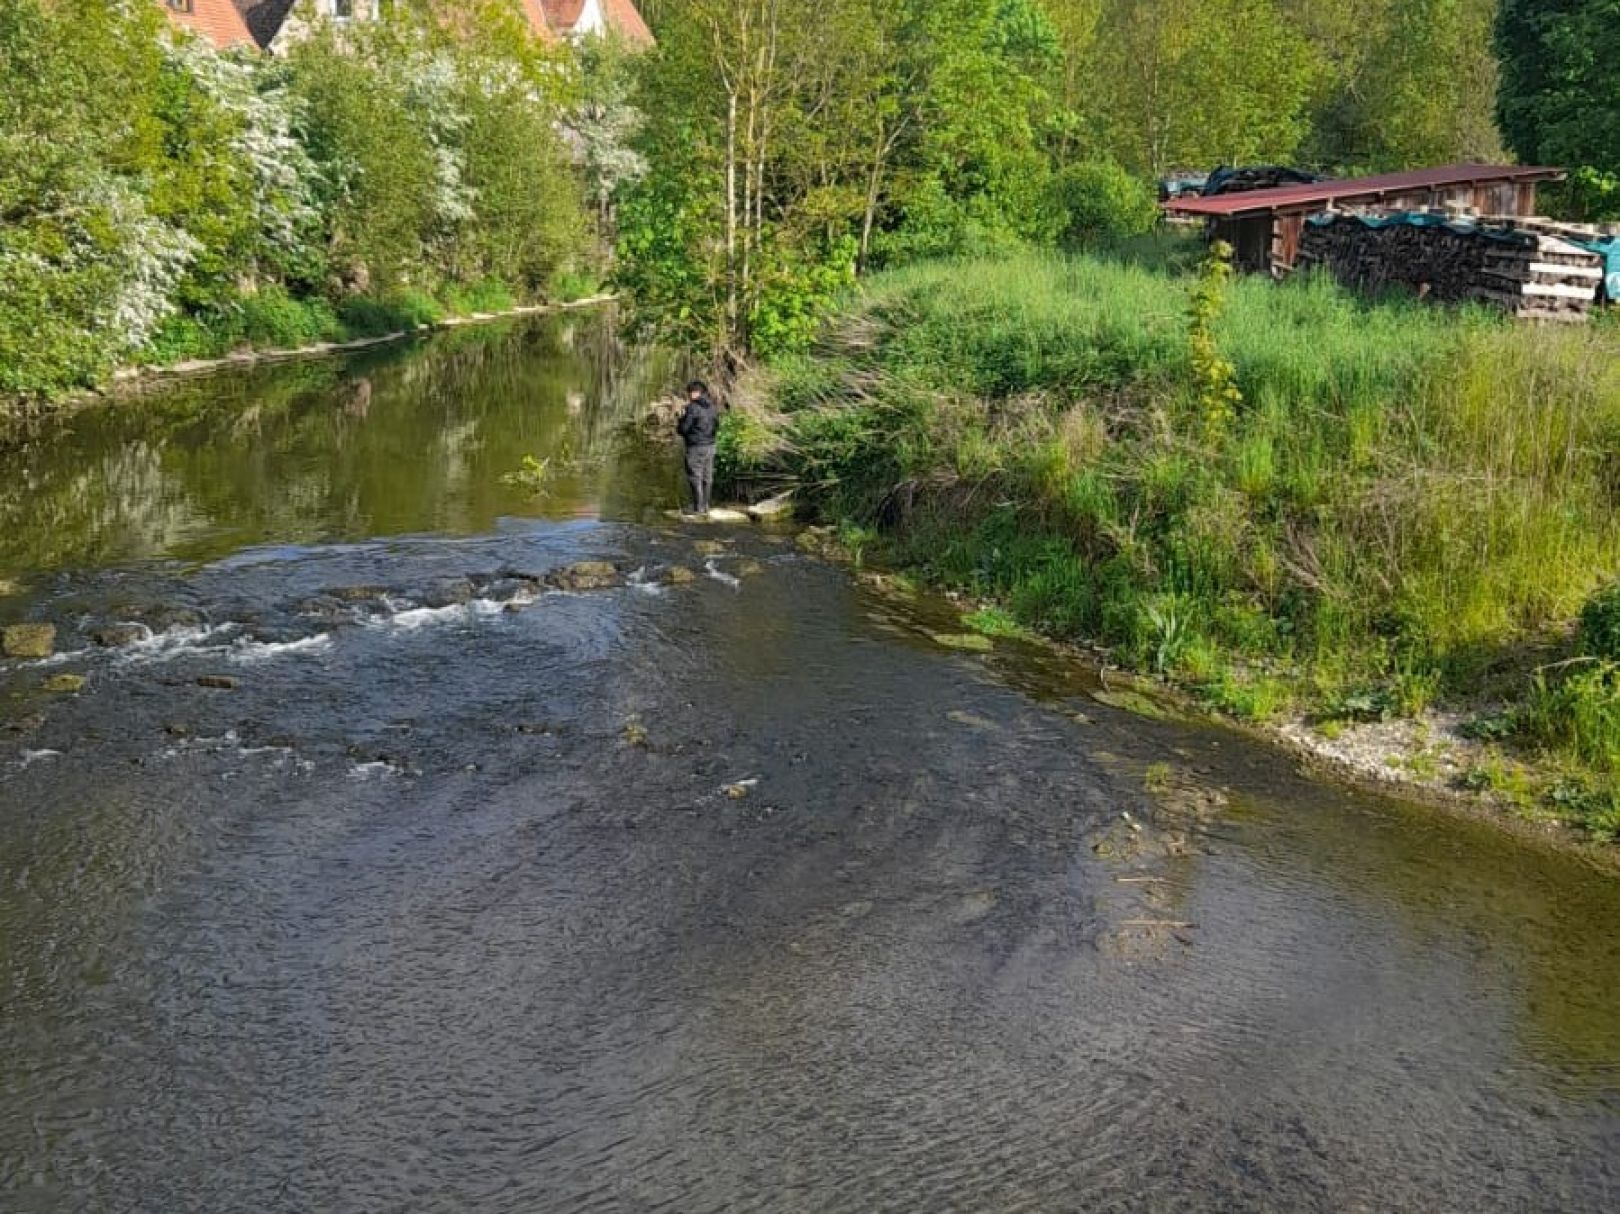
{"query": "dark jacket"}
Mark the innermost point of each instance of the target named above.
(700, 423)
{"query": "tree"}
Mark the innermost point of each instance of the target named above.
(1560, 94)
(602, 126)
(1426, 91)
(1185, 83)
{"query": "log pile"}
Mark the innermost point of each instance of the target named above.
(1526, 272)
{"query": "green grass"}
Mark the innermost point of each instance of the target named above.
(1405, 499)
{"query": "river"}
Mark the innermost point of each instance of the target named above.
(460, 891)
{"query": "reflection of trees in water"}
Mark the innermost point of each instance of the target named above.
(404, 438)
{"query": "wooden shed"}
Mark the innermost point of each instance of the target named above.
(1264, 226)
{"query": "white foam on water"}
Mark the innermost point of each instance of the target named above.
(719, 575)
(252, 653)
(56, 659)
(456, 613)
(30, 757)
(367, 771)
(174, 643)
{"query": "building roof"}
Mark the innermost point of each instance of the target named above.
(535, 12)
(1317, 194)
(620, 16)
(216, 20)
(264, 17)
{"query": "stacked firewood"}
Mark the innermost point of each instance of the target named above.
(1527, 273)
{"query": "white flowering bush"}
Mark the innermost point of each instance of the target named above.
(86, 277)
(163, 200)
(281, 182)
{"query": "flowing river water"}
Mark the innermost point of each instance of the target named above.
(473, 887)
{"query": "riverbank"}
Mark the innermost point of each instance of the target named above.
(1377, 551)
(248, 355)
(137, 377)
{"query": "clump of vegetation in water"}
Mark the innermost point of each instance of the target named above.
(1322, 503)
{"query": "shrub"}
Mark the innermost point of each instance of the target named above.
(1099, 200)
(367, 316)
(272, 319)
(1600, 624)
(1578, 714)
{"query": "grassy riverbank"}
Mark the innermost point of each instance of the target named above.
(1410, 506)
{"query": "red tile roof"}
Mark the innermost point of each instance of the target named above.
(1300, 197)
(216, 20)
(535, 12)
(622, 17)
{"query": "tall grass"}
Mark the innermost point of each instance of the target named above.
(1406, 497)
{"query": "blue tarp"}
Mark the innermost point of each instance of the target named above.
(1609, 249)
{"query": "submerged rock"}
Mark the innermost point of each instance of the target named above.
(64, 684)
(679, 575)
(749, 569)
(116, 636)
(8, 588)
(160, 619)
(357, 594)
(28, 640)
(967, 642)
(709, 548)
(586, 575)
(326, 606)
(818, 541)
(452, 592)
(635, 733)
(219, 682)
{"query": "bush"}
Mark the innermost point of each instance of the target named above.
(1099, 200)
(365, 316)
(1578, 715)
(1600, 624)
(487, 295)
(273, 320)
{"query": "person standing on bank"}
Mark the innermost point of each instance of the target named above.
(699, 427)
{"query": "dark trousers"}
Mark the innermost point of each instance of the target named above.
(700, 475)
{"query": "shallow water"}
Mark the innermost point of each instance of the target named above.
(448, 904)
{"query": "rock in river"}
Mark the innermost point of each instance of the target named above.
(64, 684)
(679, 575)
(586, 575)
(218, 682)
(28, 640)
(115, 636)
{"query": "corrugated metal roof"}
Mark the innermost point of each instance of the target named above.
(1298, 197)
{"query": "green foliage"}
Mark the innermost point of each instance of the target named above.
(795, 295)
(1560, 97)
(165, 201)
(1406, 493)
(1197, 84)
(398, 311)
(1214, 376)
(1587, 195)
(1578, 714)
(1600, 624)
(1099, 200)
(996, 622)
